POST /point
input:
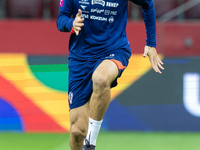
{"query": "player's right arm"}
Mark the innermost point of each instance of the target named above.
(78, 22)
(64, 20)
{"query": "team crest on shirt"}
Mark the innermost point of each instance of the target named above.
(61, 3)
(70, 97)
(111, 20)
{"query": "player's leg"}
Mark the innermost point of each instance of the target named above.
(79, 125)
(102, 78)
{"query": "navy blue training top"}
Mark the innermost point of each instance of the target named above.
(104, 29)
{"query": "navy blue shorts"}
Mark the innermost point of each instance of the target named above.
(80, 78)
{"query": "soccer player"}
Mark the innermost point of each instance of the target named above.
(98, 54)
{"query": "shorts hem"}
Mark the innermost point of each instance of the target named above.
(77, 106)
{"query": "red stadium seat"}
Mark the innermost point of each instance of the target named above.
(54, 8)
(130, 6)
(193, 13)
(24, 8)
(164, 6)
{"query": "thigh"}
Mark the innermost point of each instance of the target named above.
(121, 60)
(106, 69)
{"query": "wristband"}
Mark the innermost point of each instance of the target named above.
(72, 30)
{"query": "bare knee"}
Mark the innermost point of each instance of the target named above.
(100, 81)
(104, 75)
(78, 133)
(79, 123)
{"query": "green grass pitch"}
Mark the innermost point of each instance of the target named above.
(106, 141)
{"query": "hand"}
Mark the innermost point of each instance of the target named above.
(78, 22)
(156, 63)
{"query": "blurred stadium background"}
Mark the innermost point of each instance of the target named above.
(148, 111)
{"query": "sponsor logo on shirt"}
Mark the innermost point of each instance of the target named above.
(110, 4)
(98, 18)
(84, 2)
(84, 9)
(108, 12)
(100, 2)
(85, 16)
(113, 13)
(61, 3)
(97, 10)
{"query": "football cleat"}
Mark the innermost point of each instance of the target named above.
(88, 146)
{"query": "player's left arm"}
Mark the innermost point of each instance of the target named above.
(148, 11)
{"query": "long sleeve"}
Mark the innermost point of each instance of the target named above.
(64, 21)
(148, 11)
